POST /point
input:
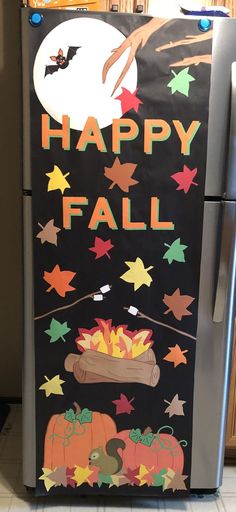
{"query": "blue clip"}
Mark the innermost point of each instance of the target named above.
(204, 24)
(35, 19)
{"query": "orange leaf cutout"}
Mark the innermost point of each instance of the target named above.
(120, 174)
(59, 280)
(177, 304)
(176, 355)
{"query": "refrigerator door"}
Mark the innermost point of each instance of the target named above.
(224, 53)
(214, 344)
(29, 432)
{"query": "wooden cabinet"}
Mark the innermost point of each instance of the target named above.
(231, 422)
(231, 4)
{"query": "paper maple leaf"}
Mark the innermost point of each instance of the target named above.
(180, 82)
(57, 180)
(167, 477)
(185, 178)
(144, 476)
(123, 404)
(52, 386)
(128, 100)
(81, 475)
(59, 280)
(175, 407)
(69, 474)
(101, 247)
(48, 233)
(131, 475)
(158, 478)
(57, 330)
(59, 476)
(177, 304)
(175, 252)
(138, 274)
(177, 482)
(176, 355)
(45, 477)
(121, 175)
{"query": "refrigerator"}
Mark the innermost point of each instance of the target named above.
(197, 383)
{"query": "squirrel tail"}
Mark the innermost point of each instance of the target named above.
(111, 449)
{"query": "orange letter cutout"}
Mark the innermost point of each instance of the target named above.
(69, 212)
(126, 217)
(186, 137)
(150, 136)
(155, 223)
(48, 133)
(102, 213)
(91, 134)
(118, 136)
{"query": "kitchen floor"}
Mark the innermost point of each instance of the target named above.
(14, 497)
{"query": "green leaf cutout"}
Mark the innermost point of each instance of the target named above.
(148, 439)
(175, 252)
(57, 330)
(85, 416)
(135, 435)
(180, 82)
(104, 479)
(70, 415)
(158, 479)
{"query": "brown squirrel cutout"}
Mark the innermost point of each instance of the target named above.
(110, 462)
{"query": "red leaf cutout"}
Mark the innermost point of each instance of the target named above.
(185, 178)
(101, 248)
(123, 405)
(128, 100)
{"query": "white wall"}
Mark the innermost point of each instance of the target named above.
(11, 333)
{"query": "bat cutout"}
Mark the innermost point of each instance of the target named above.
(62, 62)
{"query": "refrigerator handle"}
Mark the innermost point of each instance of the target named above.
(225, 285)
(230, 185)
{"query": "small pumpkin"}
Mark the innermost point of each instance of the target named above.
(154, 451)
(71, 436)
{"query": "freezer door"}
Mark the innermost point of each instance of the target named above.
(224, 53)
(214, 343)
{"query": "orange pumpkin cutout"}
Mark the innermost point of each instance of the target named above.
(164, 452)
(68, 442)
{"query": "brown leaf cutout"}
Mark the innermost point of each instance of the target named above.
(59, 280)
(177, 482)
(175, 407)
(178, 304)
(48, 233)
(59, 477)
(121, 175)
(176, 356)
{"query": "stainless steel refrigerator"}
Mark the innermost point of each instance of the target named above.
(217, 275)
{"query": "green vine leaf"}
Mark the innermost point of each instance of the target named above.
(135, 435)
(147, 439)
(85, 416)
(70, 415)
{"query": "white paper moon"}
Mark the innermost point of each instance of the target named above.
(78, 91)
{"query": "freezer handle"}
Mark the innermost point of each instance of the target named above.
(225, 284)
(230, 185)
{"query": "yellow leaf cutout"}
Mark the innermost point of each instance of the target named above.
(167, 478)
(143, 471)
(52, 386)
(137, 274)
(57, 180)
(82, 475)
(45, 477)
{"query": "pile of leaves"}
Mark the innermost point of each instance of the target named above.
(75, 477)
(114, 341)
